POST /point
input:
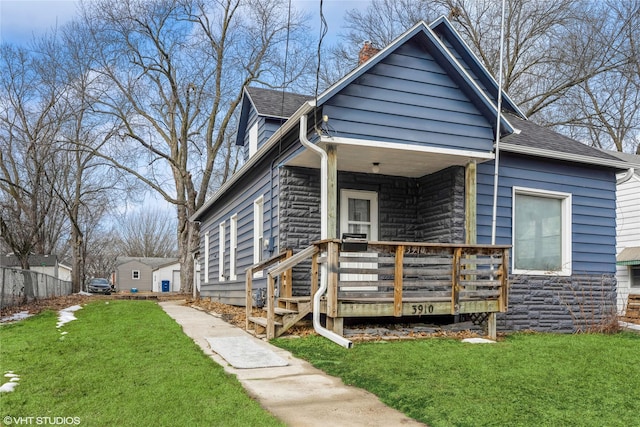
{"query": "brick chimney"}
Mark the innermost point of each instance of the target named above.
(366, 52)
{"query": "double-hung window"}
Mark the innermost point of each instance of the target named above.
(233, 247)
(221, 249)
(634, 272)
(258, 231)
(206, 257)
(541, 232)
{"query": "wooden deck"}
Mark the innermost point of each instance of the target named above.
(391, 279)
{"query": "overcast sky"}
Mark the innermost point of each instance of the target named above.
(20, 20)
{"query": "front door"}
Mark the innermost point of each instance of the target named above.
(359, 214)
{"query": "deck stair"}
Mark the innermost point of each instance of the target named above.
(287, 313)
(632, 313)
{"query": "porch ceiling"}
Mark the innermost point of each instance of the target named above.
(394, 159)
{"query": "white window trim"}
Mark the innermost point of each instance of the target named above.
(221, 249)
(133, 274)
(233, 247)
(566, 237)
(258, 232)
(253, 139)
(206, 257)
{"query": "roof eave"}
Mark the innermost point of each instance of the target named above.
(559, 155)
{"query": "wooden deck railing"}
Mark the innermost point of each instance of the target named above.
(412, 278)
(417, 272)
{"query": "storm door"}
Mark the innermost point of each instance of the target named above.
(359, 214)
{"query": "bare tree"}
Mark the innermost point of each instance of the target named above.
(100, 251)
(147, 233)
(30, 120)
(605, 109)
(173, 73)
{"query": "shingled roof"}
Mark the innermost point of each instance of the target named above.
(540, 137)
(275, 103)
(632, 159)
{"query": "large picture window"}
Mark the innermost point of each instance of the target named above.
(541, 232)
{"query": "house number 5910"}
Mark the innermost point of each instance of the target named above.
(422, 308)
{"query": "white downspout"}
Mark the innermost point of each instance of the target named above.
(494, 213)
(324, 164)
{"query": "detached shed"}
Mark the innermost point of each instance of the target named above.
(137, 272)
(166, 278)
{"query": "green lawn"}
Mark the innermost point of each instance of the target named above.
(122, 363)
(525, 380)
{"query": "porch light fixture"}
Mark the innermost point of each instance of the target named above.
(375, 168)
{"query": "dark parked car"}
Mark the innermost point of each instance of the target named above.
(99, 286)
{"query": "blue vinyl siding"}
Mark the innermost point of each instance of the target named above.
(238, 201)
(593, 205)
(266, 128)
(409, 98)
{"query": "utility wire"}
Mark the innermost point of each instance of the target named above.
(284, 76)
(323, 31)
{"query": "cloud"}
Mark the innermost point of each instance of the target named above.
(22, 20)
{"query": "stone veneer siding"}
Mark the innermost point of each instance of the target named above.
(441, 207)
(558, 304)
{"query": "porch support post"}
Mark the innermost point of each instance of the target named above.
(333, 322)
(271, 307)
(455, 281)
(397, 281)
(504, 282)
(248, 296)
(287, 285)
(491, 326)
(332, 191)
(470, 203)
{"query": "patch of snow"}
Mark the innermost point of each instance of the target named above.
(84, 293)
(16, 316)
(7, 387)
(64, 333)
(66, 315)
(478, 341)
(12, 384)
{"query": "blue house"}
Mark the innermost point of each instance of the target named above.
(382, 191)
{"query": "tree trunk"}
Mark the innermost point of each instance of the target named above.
(78, 260)
(188, 241)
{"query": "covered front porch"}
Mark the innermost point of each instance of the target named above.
(414, 208)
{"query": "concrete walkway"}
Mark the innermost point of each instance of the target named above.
(298, 394)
